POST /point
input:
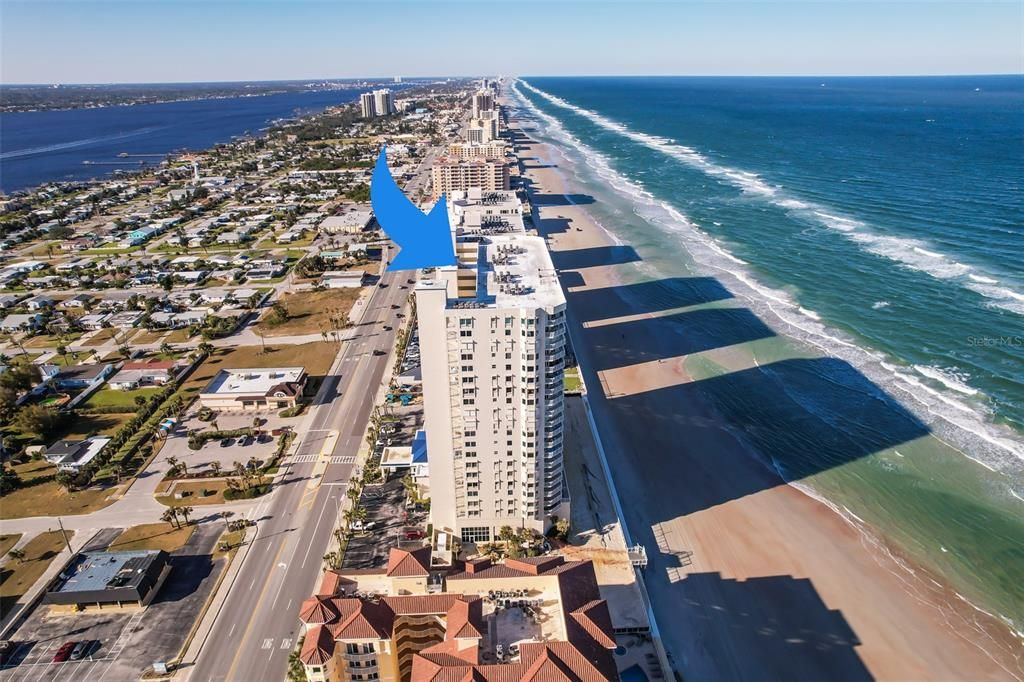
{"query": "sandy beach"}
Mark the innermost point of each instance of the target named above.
(750, 577)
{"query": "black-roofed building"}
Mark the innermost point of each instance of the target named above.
(118, 579)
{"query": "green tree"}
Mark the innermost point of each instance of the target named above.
(38, 419)
(171, 516)
(17, 554)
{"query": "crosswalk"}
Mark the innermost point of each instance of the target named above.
(336, 459)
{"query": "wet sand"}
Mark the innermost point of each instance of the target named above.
(750, 577)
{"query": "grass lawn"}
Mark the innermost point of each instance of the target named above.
(310, 311)
(316, 357)
(572, 380)
(101, 337)
(72, 358)
(85, 425)
(45, 497)
(233, 539)
(17, 577)
(47, 341)
(7, 542)
(152, 536)
(146, 336)
(108, 397)
(214, 486)
(178, 336)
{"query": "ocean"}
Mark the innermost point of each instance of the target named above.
(46, 146)
(875, 220)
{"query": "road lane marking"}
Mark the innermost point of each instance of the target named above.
(286, 644)
(248, 628)
(267, 644)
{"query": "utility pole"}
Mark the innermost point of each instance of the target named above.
(64, 535)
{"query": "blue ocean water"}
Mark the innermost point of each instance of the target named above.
(876, 220)
(890, 208)
(45, 146)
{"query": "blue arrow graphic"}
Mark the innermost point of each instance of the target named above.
(424, 239)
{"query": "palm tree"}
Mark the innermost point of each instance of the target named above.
(118, 471)
(185, 512)
(171, 517)
(17, 554)
(166, 349)
(215, 467)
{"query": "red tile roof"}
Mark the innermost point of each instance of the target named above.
(464, 620)
(318, 647)
(403, 564)
(595, 619)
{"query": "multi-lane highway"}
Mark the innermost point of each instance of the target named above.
(257, 626)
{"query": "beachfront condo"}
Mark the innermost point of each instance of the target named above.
(492, 334)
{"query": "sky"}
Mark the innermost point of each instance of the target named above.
(82, 41)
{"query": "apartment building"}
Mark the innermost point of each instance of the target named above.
(451, 175)
(483, 100)
(474, 211)
(376, 103)
(463, 151)
(492, 337)
(525, 620)
(484, 129)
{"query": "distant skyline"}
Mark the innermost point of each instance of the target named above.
(140, 41)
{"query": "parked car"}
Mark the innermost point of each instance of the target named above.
(82, 649)
(263, 438)
(246, 441)
(227, 442)
(413, 534)
(64, 652)
(387, 327)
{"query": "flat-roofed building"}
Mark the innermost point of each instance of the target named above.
(109, 579)
(254, 389)
(463, 151)
(451, 175)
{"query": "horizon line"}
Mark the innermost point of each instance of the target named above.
(464, 77)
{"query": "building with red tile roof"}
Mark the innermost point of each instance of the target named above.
(525, 620)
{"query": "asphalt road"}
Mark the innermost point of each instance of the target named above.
(258, 625)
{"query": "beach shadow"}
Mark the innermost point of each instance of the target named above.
(594, 256)
(768, 628)
(669, 336)
(794, 418)
(645, 297)
(560, 199)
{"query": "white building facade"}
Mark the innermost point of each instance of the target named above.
(492, 336)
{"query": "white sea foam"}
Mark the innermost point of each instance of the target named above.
(810, 313)
(910, 253)
(947, 377)
(965, 426)
(878, 305)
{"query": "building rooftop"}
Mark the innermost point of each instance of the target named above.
(106, 570)
(252, 381)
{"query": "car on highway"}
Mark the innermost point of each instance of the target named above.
(64, 652)
(227, 442)
(382, 285)
(394, 306)
(378, 351)
(412, 534)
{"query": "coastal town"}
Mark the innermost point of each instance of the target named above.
(237, 446)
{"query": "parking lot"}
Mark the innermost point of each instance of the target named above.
(125, 642)
(386, 519)
(200, 460)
